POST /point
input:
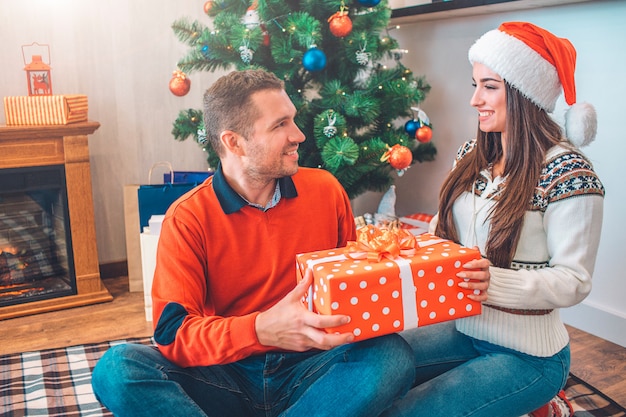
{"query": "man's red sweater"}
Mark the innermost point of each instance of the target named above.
(220, 262)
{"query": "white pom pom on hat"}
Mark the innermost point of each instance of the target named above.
(581, 124)
(539, 65)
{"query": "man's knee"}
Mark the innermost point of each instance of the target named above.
(117, 367)
(395, 358)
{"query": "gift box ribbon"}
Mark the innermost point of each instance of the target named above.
(375, 244)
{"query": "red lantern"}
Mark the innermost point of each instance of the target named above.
(38, 73)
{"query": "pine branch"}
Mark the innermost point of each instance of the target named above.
(187, 124)
(237, 7)
(187, 32)
(424, 152)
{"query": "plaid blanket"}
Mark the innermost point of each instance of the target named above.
(588, 401)
(57, 382)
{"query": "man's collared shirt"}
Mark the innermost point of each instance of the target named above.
(231, 201)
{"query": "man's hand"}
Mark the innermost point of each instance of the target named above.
(476, 279)
(289, 325)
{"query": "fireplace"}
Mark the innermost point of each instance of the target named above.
(48, 253)
(36, 261)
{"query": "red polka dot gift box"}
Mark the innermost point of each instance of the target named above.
(389, 281)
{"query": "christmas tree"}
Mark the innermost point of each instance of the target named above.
(360, 116)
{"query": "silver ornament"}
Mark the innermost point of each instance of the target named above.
(202, 140)
(362, 56)
(246, 53)
(330, 130)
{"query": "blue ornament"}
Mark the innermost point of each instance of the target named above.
(314, 60)
(411, 127)
(205, 50)
(369, 3)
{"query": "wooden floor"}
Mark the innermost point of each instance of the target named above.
(119, 319)
(597, 361)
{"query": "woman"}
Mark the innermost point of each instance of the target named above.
(529, 199)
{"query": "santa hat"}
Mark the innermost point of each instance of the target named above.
(539, 65)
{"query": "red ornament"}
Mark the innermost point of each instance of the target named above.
(399, 157)
(208, 6)
(424, 134)
(340, 24)
(179, 84)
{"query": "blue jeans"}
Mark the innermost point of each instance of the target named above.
(457, 375)
(360, 379)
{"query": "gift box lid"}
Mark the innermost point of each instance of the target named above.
(46, 110)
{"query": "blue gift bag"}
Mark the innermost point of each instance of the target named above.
(157, 198)
(195, 177)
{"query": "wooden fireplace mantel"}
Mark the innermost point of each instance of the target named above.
(26, 146)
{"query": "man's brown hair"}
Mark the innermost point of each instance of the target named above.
(228, 104)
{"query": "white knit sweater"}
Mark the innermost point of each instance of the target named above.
(555, 257)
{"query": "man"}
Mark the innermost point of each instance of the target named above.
(233, 336)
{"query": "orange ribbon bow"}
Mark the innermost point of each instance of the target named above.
(374, 244)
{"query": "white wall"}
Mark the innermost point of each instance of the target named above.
(122, 54)
(438, 49)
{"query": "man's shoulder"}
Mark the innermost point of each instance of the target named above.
(202, 195)
(315, 175)
(316, 182)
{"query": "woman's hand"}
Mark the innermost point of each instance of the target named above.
(476, 278)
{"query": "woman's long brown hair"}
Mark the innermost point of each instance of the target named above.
(530, 132)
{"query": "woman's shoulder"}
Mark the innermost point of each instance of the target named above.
(569, 172)
(563, 158)
(465, 148)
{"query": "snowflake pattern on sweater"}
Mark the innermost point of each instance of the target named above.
(567, 173)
